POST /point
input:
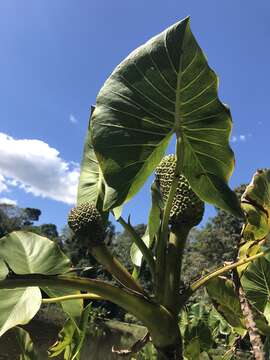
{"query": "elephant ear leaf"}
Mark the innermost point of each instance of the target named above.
(255, 202)
(92, 186)
(164, 87)
(91, 183)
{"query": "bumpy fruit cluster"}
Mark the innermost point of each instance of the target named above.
(187, 208)
(86, 222)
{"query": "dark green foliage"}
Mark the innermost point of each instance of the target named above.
(187, 208)
(87, 224)
(15, 218)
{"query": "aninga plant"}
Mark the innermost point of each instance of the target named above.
(163, 89)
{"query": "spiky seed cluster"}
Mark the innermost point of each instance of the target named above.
(187, 208)
(87, 224)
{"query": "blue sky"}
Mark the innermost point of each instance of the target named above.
(55, 56)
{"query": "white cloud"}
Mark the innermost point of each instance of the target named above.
(7, 201)
(3, 186)
(72, 119)
(241, 138)
(37, 168)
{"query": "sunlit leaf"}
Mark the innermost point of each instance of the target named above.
(26, 345)
(256, 204)
(135, 253)
(3, 270)
(250, 248)
(65, 342)
(29, 253)
(18, 306)
(91, 185)
(256, 284)
(82, 333)
(164, 87)
(71, 337)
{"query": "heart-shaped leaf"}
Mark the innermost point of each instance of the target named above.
(29, 253)
(18, 306)
(91, 184)
(256, 284)
(222, 292)
(256, 204)
(161, 88)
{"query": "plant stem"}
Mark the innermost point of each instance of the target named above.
(103, 255)
(222, 270)
(151, 314)
(147, 254)
(72, 297)
(176, 246)
(164, 232)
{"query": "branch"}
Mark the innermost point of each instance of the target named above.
(147, 311)
(176, 246)
(147, 254)
(103, 255)
(90, 296)
(164, 232)
(222, 270)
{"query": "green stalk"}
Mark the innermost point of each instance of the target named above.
(163, 329)
(103, 255)
(89, 296)
(164, 232)
(147, 254)
(222, 270)
(176, 246)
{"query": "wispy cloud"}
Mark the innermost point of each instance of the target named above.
(8, 201)
(240, 138)
(73, 119)
(37, 168)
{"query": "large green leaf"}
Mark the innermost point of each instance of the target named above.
(256, 203)
(18, 306)
(28, 253)
(91, 182)
(256, 284)
(222, 292)
(161, 88)
(26, 345)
